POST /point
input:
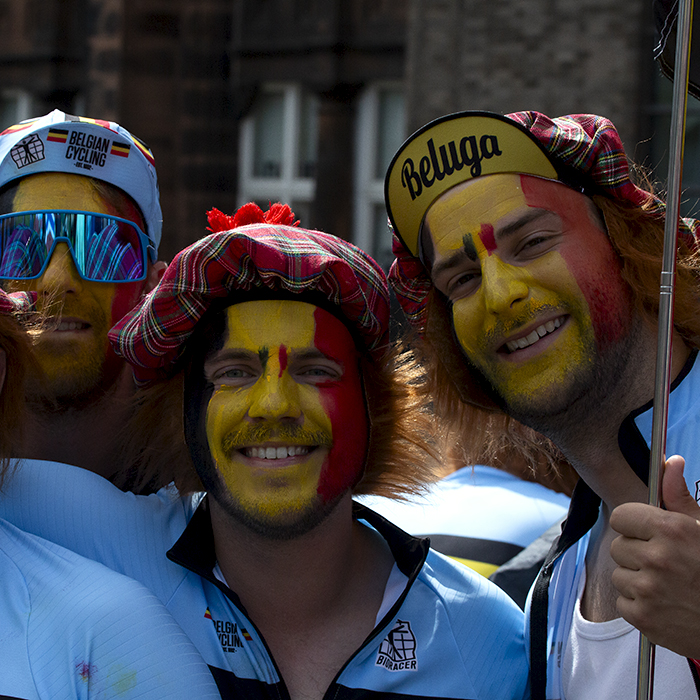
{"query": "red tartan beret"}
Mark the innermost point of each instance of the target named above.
(17, 302)
(581, 150)
(257, 256)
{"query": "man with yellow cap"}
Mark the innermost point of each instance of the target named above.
(529, 262)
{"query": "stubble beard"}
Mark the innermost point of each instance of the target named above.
(72, 380)
(594, 394)
(280, 529)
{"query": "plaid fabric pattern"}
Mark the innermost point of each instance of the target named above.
(588, 144)
(280, 258)
(17, 302)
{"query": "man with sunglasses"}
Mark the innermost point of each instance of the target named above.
(80, 225)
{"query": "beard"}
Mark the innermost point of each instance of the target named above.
(592, 390)
(282, 528)
(76, 371)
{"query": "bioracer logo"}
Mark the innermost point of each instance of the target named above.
(431, 167)
(398, 650)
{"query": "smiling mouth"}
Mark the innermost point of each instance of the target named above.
(539, 332)
(281, 452)
(64, 326)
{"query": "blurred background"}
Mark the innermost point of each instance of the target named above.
(306, 101)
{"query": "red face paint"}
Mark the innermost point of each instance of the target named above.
(487, 238)
(588, 255)
(283, 359)
(344, 403)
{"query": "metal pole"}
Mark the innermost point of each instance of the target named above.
(645, 669)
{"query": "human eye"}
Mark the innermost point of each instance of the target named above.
(463, 284)
(317, 372)
(236, 373)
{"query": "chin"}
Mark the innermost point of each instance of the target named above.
(288, 523)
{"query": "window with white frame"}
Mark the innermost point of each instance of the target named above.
(278, 148)
(381, 129)
(15, 105)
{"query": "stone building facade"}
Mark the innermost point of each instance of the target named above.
(306, 100)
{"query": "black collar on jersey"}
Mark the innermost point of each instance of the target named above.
(195, 548)
(582, 516)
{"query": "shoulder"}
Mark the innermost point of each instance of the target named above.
(90, 628)
(470, 614)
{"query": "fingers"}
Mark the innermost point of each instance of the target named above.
(675, 492)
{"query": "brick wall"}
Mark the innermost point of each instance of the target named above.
(554, 56)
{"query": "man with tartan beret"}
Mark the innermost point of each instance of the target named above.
(529, 261)
(264, 362)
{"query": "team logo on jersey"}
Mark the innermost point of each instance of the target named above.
(229, 634)
(29, 150)
(398, 650)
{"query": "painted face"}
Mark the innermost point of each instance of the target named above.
(535, 286)
(76, 356)
(286, 423)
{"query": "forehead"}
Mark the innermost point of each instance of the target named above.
(273, 322)
(68, 191)
(501, 203)
(487, 199)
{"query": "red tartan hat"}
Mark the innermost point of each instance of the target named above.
(583, 151)
(17, 302)
(258, 252)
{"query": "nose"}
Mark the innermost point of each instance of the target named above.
(61, 276)
(503, 285)
(275, 397)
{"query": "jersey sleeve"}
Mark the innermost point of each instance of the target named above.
(85, 513)
(73, 628)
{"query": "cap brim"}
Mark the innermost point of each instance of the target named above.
(451, 150)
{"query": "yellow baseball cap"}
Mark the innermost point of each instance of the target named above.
(451, 150)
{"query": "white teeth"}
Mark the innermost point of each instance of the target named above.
(533, 337)
(276, 452)
(71, 326)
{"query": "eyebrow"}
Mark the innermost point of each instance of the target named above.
(533, 214)
(237, 354)
(455, 259)
(312, 354)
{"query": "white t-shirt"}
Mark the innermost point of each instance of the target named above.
(600, 661)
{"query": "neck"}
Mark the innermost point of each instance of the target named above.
(599, 460)
(85, 437)
(308, 577)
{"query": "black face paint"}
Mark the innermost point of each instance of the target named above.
(206, 340)
(469, 247)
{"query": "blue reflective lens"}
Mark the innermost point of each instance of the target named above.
(104, 248)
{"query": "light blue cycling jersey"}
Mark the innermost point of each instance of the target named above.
(449, 633)
(552, 599)
(71, 628)
(479, 515)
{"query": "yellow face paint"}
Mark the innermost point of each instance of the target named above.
(285, 424)
(76, 355)
(524, 262)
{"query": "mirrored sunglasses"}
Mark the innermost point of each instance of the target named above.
(104, 248)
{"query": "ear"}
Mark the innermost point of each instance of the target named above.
(3, 367)
(155, 272)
